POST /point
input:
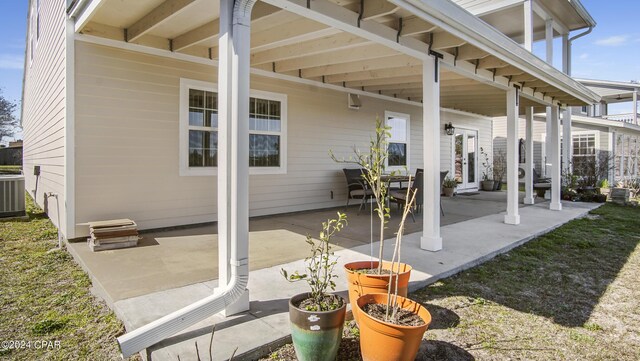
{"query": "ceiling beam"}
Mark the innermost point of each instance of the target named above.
(162, 12)
(375, 74)
(470, 52)
(444, 40)
(415, 25)
(262, 13)
(363, 65)
(298, 30)
(319, 46)
(360, 53)
(377, 8)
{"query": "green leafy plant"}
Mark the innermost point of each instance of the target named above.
(449, 182)
(603, 183)
(320, 266)
(373, 165)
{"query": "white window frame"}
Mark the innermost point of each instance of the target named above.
(183, 159)
(391, 114)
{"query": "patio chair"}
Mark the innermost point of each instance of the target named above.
(540, 183)
(400, 196)
(357, 187)
(443, 175)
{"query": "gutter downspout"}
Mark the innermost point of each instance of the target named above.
(570, 45)
(235, 20)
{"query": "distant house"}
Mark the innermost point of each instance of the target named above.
(11, 154)
(596, 135)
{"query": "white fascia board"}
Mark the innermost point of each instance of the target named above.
(605, 123)
(90, 9)
(494, 7)
(459, 22)
(577, 4)
(610, 84)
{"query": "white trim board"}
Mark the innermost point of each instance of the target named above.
(91, 39)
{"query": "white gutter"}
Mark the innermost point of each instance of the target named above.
(460, 23)
(235, 20)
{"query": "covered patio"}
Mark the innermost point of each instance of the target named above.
(425, 55)
(179, 257)
(138, 291)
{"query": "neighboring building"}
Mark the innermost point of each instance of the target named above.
(611, 142)
(11, 154)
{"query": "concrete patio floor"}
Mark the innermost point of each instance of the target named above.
(169, 259)
(266, 325)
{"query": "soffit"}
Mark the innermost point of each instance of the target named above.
(292, 45)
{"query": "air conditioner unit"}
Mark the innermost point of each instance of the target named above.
(522, 172)
(12, 202)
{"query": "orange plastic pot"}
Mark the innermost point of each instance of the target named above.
(362, 283)
(383, 341)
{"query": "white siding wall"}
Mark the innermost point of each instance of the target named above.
(539, 130)
(127, 142)
(43, 116)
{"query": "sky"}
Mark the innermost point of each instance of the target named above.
(610, 52)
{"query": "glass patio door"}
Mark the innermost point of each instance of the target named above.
(466, 159)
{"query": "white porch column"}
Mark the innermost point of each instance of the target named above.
(549, 58)
(513, 105)
(528, 179)
(431, 240)
(566, 54)
(554, 146)
(635, 106)
(528, 24)
(233, 145)
(567, 141)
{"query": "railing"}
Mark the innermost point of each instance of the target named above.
(625, 118)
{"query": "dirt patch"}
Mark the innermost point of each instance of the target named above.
(402, 317)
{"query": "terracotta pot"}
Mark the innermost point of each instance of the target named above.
(362, 283)
(448, 192)
(383, 341)
(316, 335)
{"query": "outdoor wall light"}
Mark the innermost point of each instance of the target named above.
(449, 129)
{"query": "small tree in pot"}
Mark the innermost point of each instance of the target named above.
(487, 174)
(373, 276)
(317, 317)
(392, 326)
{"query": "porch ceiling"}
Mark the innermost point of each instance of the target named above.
(286, 43)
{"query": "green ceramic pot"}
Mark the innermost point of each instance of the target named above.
(316, 335)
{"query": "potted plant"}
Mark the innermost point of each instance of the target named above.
(603, 187)
(499, 168)
(373, 276)
(392, 326)
(487, 183)
(317, 317)
(449, 186)
(621, 193)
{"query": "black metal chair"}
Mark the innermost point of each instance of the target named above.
(443, 175)
(400, 196)
(357, 188)
(539, 183)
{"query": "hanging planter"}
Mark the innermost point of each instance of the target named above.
(386, 341)
(360, 282)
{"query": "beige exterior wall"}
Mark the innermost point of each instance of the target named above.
(539, 131)
(44, 105)
(127, 143)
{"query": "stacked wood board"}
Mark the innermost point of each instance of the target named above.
(117, 233)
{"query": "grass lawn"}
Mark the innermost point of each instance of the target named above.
(572, 294)
(44, 296)
(10, 169)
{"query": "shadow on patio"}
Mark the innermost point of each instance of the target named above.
(183, 256)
